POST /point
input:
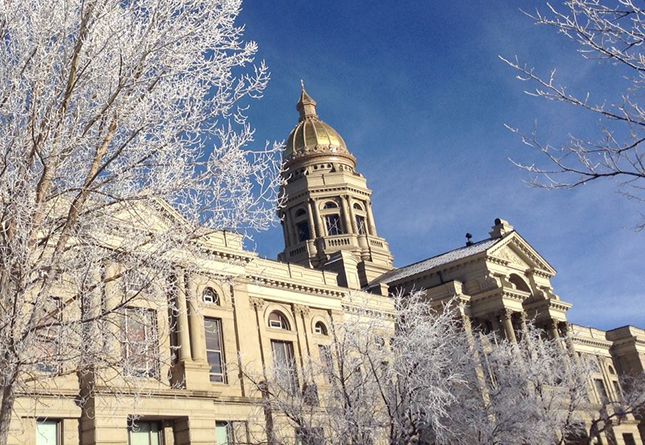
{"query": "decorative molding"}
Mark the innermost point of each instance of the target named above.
(301, 309)
(295, 287)
(257, 302)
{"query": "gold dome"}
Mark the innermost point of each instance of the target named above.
(311, 136)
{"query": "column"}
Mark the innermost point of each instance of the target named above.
(479, 370)
(507, 322)
(352, 216)
(494, 319)
(317, 221)
(197, 342)
(290, 229)
(285, 234)
(552, 329)
(346, 220)
(312, 224)
(113, 298)
(299, 313)
(182, 317)
(370, 218)
(569, 341)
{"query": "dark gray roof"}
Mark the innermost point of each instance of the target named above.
(435, 261)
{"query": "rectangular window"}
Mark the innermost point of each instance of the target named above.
(140, 342)
(332, 222)
(285, 364)
(214, 349)
(145, 433)
(303, 231)
(600, 389)
(360, 225)
(48, 432)
(616, 389)
(629, 439)
(231, 433)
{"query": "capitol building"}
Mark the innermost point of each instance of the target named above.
(240, 307)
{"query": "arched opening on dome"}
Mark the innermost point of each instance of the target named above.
(320, 328)
(519, 283)
(209, 296)
(357, 206)
(279, 321)
(330, 205)
(300, 212)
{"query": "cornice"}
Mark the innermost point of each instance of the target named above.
(313, 190)
(279, 284)
(368, 312)
(589, 342)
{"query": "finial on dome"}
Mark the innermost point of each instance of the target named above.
(306, 106)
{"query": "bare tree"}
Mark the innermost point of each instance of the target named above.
(370, 384)
(611, 32)
(430, 379)
(112, 111)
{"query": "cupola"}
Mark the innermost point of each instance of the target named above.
(327, 215)
(311, 137)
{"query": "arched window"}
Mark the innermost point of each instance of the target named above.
(330, 205)
(278, 320)
(209, 296)
(519, 283)
(357, 206)
(320, 328)
(300, 212)
(611, 370)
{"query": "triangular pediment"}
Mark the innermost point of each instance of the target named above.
(150, 215)
(519, 253)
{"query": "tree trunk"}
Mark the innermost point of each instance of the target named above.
(6, 409)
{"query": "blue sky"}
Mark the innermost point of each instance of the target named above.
(419, 94)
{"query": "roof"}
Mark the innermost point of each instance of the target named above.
(436, 261)
(312, 137)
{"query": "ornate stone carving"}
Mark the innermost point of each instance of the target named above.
(512, 257)
(300, 309)
(256, 302)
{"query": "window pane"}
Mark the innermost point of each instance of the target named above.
(303, 231)
(47, 432)
(212, 329)
(360, 225)
(145, 433)
(140, 343)
(221, 433)
(214, 353)
(333, 224)
(600, 388)
(215, 360)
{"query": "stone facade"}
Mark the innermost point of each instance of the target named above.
(331, 250)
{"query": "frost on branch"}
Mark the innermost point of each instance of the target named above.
(111, 111)
(610, 34)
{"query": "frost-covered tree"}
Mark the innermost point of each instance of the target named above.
(111, 110)
(374, 382)
(426, 377)
(609, 34)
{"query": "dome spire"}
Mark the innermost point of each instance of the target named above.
(306, 106)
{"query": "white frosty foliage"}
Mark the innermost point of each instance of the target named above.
(121, 130)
